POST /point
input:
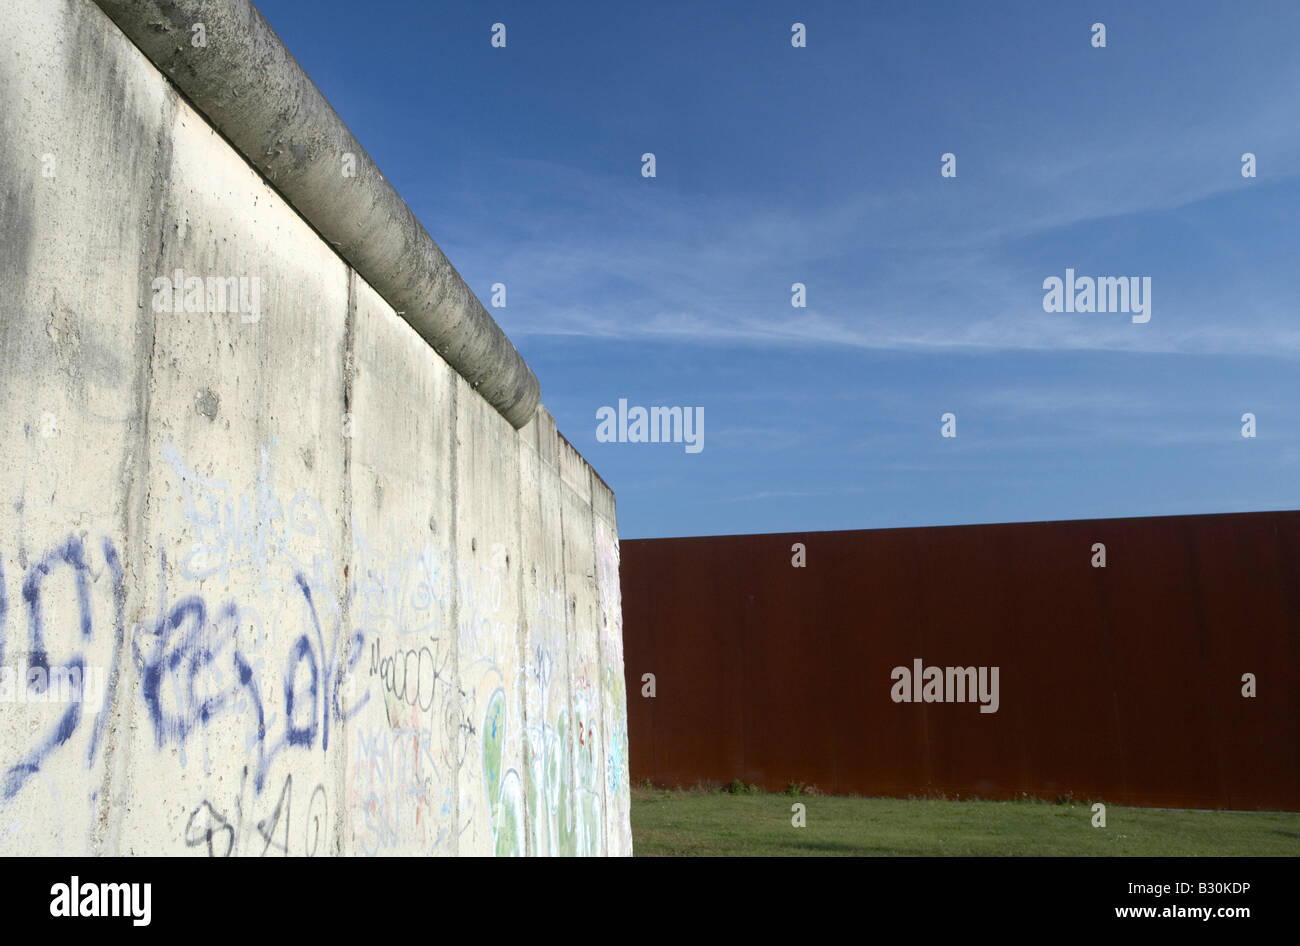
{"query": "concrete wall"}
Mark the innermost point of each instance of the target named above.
(1121, 683)
(324, 597)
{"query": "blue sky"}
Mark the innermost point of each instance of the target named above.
(821, 165)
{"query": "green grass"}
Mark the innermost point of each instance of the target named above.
(745, 823)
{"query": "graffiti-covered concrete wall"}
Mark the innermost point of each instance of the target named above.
(274, 577)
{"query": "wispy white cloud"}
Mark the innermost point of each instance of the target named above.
(936, 266)
(769, 494)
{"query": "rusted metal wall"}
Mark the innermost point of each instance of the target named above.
(1121, 683)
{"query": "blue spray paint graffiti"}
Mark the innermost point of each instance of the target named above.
(186, 647)
(183, 656)
(69, 554)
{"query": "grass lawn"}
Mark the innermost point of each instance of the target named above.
(717, 823)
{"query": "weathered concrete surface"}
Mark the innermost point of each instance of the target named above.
(323, 597)
(244, 81)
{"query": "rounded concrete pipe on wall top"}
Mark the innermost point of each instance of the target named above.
(256, 94)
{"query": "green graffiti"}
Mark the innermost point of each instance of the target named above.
(494, 734)
(504, 802)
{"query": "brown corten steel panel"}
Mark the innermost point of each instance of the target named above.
(1121, 683)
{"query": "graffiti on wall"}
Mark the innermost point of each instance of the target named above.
(613, 690)
(269, 645)
(71, 597)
